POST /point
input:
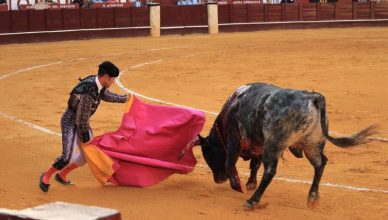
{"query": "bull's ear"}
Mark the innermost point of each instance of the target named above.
(201, 139)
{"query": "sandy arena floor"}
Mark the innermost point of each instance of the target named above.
(348, 66)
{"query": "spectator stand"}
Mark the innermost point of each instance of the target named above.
(48, 4)
(247, 2)
(190, 2)
(240, 2)
(3, 5)
(112, 4)
(59, 4)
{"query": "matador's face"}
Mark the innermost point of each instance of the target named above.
(108, 81)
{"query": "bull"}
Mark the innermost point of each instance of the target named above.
(258, 122)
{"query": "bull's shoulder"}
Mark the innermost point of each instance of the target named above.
(254, 90)
(263, 87)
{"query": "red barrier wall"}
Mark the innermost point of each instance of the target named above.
(19, 21)
(37, 20)
(291, 12)
(166, 2)
(274, 12)
(54, 19)
(88, 18)
(344, 11)
(183, 15)
(71, 19)
(3, 7)
(64, 19)
(5, 21)
(255, 13)
(195, 15)
(123, 17)
(381, 10)
(171, 16)
(223, 14)
(105, 17)
(309, 12)
(238, 13)
(300, 12)
(363, 10)
(140, 16)
(327, 11)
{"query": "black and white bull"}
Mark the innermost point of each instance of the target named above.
(258, 122)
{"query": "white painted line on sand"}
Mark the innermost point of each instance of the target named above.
(29, 124)
(28, 69)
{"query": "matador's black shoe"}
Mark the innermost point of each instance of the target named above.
(59, 179)
(43, 186)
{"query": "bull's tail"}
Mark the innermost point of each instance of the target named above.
(360, 137)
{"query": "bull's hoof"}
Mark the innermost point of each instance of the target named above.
(238, 188)
(249, 205)
(254, 205)
(313, 201)
(251, 186)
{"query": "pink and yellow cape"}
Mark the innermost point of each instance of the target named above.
(145, 148)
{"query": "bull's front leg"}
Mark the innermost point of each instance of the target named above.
(270, 161)
(232, 149)
(254, 166)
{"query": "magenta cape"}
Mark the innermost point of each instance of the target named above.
(145, 148)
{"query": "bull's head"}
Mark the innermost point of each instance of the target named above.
(215, 157)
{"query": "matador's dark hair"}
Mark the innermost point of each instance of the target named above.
(109, 68)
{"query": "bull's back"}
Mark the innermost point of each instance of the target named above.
(267, 108)
(292, 117)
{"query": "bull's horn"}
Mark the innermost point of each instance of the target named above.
(196, 141)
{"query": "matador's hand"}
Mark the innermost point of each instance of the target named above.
(128, 97)
(86, 143)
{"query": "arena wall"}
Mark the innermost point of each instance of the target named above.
(69, 24)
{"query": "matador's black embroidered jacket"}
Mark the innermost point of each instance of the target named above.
(84, 100)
